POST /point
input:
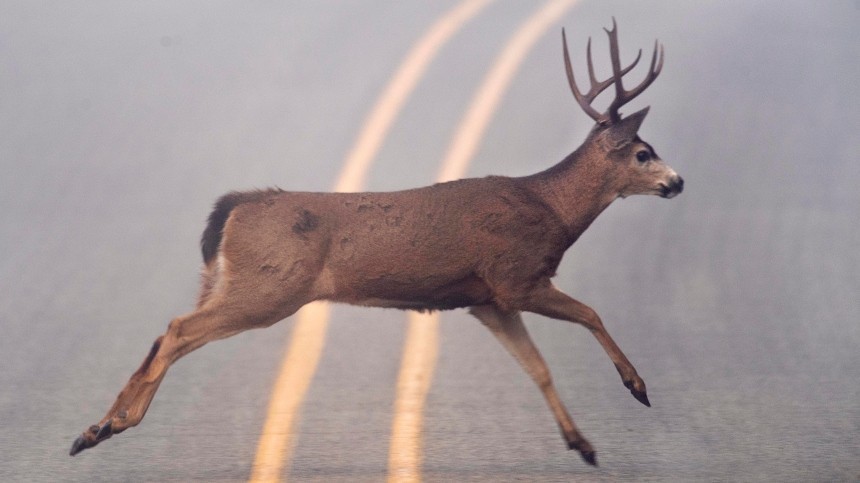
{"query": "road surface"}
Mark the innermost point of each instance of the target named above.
(737, 302)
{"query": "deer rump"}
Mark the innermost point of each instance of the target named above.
(450, 245)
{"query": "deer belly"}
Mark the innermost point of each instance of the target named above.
(422, 294)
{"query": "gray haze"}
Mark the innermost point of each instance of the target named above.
(738, 302)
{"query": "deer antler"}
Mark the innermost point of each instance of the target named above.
(622, 96)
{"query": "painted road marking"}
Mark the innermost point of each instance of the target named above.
(277, 439)
(297, 370)
(422, 341)
(375, 128)
(413, 383)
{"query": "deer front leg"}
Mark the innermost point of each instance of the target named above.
(509, 329)
(183, 335)
(551, 302)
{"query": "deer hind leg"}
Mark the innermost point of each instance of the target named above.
(551, 302)
(218, 318)
(509, 329)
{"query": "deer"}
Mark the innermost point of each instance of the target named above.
(490, 245)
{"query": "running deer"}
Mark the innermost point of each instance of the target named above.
(490, 245)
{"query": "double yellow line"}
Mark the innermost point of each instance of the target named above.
(277, 439)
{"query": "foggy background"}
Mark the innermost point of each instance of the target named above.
(738, 302)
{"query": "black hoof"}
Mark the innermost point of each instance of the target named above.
(79, 445)
(105, 431)
(590, 457)
(588, 454)
(97, 435)
(641, 397)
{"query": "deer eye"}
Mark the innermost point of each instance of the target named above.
(643, 156)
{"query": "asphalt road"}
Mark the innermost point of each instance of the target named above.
(738, 302)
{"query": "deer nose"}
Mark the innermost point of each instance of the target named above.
(677, 185)
(673, 188)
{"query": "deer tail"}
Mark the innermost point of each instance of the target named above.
(210, 241)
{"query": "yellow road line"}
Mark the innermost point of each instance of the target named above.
(422, 341)
(413, 383)
(398, 90)
(277, 439)
(471, 130)
(297, 370)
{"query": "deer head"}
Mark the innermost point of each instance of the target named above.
(629, 161)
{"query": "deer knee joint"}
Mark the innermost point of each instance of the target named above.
(173, 327)
(590, 320)
(542, 378)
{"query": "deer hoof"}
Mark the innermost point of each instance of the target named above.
(79, 445)
(95, 434)
(637, 388)
(585, 450)
(640, 396)
(105, 432)
(590, 457)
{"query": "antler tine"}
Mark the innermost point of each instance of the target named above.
(653, 72)
(590, 63)
(597, 87)
(611, 79)
(614, 54)
(584, 100)
(623, 96)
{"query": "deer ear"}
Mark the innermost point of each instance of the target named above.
(625, 131)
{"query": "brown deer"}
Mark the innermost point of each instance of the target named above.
(490, 244)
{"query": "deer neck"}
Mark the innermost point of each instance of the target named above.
(577, 189)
